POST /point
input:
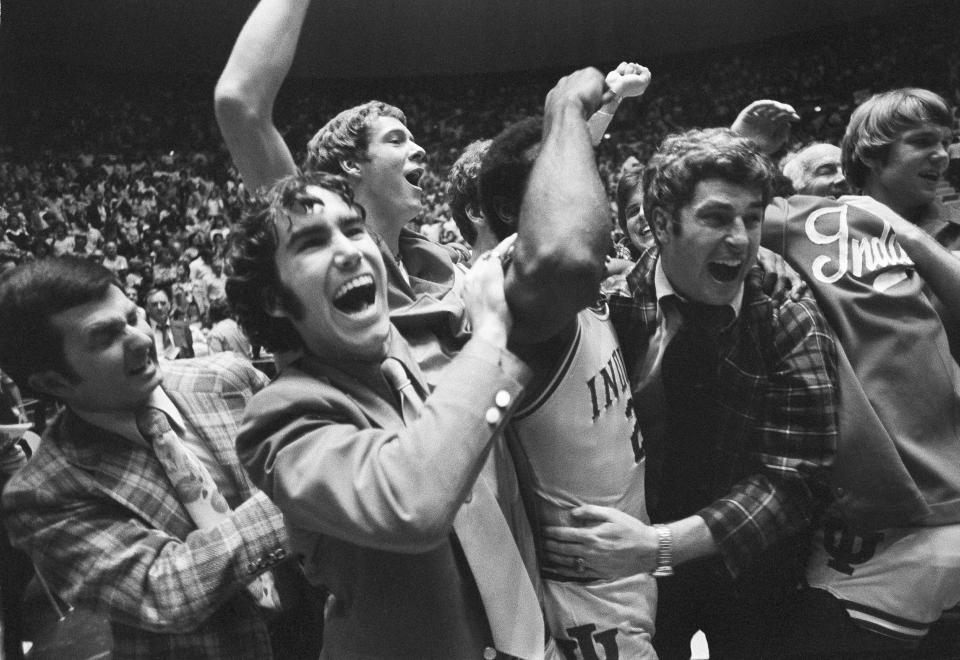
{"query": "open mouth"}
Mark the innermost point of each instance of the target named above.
(932, 177)
(413, 176)
(356, 295)
(143, 365)
(724, 271)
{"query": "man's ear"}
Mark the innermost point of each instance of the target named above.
(659, 224)
(350, 166)
(52, 383)
(506, 213)
(475, 216)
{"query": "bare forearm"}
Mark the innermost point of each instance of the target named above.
(249, 85)
(564, 230)
(263, 53)
(691, 540)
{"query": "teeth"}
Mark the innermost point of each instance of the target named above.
(360, 280)
(725, 270)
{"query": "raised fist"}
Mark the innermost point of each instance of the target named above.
(767, 123)
(584, 87)
(628, 79)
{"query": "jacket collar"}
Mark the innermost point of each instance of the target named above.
(363, 382)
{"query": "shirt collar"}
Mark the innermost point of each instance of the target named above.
(124, 423)
(664, 288)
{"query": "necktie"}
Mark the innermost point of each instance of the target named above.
(690, 359)
(509, 599)
(195, 488)
(690, 383)
(164, 331)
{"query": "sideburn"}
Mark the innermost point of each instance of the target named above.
(290, 302)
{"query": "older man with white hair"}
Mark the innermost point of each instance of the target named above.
(816, 170)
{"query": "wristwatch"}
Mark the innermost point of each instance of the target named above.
(664, 552)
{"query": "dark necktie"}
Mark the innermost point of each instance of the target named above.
(164, 330)
(690, 386)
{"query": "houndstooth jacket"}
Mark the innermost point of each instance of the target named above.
(99, 518)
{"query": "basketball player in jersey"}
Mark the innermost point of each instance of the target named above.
(574, 437)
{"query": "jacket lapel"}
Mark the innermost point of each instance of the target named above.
(125, 472)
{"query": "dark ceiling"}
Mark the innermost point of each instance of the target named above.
(379, 38)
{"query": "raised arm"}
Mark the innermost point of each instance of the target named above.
(248, 87)
(767, 123)
(627, 80)
(564, 226)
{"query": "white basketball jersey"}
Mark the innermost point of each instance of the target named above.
(579, 438)
(578, 443)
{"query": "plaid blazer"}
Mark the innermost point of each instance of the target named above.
(777, 428)
(99, 518)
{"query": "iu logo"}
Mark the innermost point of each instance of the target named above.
(845, 548)
(584, 639)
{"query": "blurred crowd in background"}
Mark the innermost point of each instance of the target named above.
(133, 171)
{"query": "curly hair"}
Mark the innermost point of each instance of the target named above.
(463, 187)
(254, 283)
(685, 159)
(346, 136)
(30, 295)
(504, 173)
(880, 120)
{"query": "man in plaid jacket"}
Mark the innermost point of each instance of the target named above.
(94, 508)
(737, 402)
